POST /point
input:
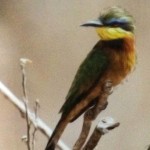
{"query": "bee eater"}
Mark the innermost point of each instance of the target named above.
(112, 58)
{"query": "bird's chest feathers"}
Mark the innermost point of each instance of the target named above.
(122, 60)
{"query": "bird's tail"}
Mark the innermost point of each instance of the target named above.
(56, 134)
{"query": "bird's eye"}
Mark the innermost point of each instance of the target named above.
(115, 25)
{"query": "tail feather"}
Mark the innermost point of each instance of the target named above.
(56, 134)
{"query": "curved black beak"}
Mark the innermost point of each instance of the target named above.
(93, 23)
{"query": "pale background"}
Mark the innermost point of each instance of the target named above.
(48, 32)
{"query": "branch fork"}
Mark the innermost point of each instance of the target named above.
(103, 127)
(91, 115)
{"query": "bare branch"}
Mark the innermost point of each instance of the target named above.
(102, 128)
(37, 105)
(92, 113)
(84, 133)
(41, 125)
(23, 62)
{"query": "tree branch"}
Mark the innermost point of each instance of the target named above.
(38, 123)
(92, 113)
(23, 62)
(102, 128)
(37, 105)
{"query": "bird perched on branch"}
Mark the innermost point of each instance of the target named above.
(112, 58)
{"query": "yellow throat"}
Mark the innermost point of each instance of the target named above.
(108, 33)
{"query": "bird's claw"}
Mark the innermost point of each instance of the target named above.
(108, 87)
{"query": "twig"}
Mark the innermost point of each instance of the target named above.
(41, 125)
(33, 138)
(84, 133)
(23, 62)
(102, 128)
(35, 127)
(92, 113)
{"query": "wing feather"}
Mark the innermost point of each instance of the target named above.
(87, 75)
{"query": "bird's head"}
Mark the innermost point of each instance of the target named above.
(115, 23)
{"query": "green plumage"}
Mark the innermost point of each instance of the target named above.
(118, 16)
(87, 75)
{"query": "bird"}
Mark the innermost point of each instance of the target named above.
(112, 58)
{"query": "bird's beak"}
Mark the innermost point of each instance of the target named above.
(93, 23)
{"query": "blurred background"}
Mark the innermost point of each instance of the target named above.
(48, 33)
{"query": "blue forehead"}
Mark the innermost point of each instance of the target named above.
(117, 20)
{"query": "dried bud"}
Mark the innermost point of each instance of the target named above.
(24, 138)
(24, 61)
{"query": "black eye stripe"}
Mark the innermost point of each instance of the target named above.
(116, 23)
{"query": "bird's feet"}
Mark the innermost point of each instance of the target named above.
(108, 87)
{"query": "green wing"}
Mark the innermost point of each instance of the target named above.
(87, 75)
